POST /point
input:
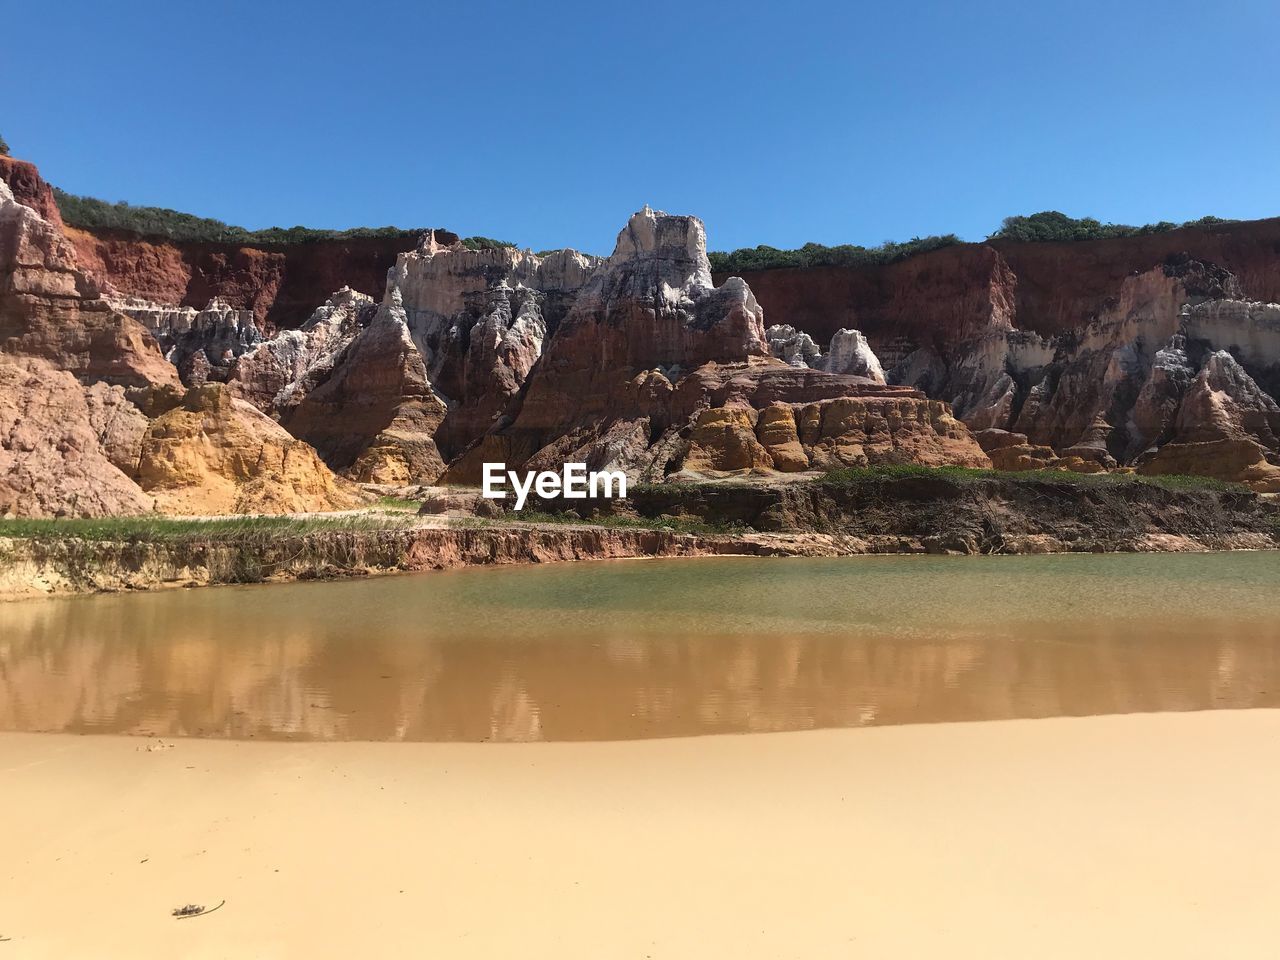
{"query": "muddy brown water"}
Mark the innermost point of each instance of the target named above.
(628, 650)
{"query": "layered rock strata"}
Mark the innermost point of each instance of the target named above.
(282, 284)
(374, 414)
(657, 372)
(1085, 351)
(848, 352)
(50, 310)
(93, 419)
(480, 319)
(203, 344)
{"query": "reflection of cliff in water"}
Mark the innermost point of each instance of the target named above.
(329, 661)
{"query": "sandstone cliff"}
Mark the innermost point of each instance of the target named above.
(29, 189)
(50, 310)
(276, 374)
(1075, 355)
(281, 284)
(1159, 353)
(54, 461)
(215, 454)
(657, 372)
(80, 383)
(202, 344)
(480, 319)
(374, 414)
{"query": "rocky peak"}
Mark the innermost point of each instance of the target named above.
(792, 346)
(676, 246)
(373, 414)
(848, 352)
(656, 288)
(202, 344)
(1201, 280)
(277, 373)
(30, 189)
(49, 309)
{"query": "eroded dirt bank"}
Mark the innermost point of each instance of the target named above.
(36, 567)
(846, 516)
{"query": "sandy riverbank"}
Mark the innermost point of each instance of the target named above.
(1141, 835)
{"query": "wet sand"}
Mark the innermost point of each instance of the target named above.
(1119, 836)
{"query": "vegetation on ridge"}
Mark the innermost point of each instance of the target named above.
(485, 243)
(818, 255)
(1045, 227)
(1052, 226)
(4, 148)
(91, 213)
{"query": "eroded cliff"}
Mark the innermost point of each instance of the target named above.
(89, 421)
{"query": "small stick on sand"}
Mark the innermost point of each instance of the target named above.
(191, 910)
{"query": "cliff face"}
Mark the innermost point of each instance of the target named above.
(1069, 350)
(480, 319)
(656, 371)
(29, 189)
(1160, 353)
(939, 298)
(51, 311)
(93, 420)
(282, 285)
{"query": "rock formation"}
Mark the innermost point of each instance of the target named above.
(1227, 427)
(276, 374)
(202, 344)
(1084, 349)
(1159, 353)
(480, 319)
(79, 385)
(54, 461)
(848, 352)
(215, 454)
(29, 189)
(374, 414)
(51, 311)
(282, 284)
(657, 372)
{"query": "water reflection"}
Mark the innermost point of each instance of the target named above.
(640, 650)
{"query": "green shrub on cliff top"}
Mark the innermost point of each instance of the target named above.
(91, 213)
(1053, 226)
(485, 243)
(4, 148)
(1048, 226)
(818, 255)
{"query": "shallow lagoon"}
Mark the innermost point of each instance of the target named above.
(639, 649)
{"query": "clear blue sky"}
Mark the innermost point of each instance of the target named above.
(548, 123)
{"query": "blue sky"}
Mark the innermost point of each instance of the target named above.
(548, 123)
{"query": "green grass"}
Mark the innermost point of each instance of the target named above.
(852, 476)
(150, 529)
(613, 521)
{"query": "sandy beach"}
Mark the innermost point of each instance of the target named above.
(1126, 836)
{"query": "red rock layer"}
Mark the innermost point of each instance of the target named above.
(29, 188)
(282, 285)
(941, 297)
